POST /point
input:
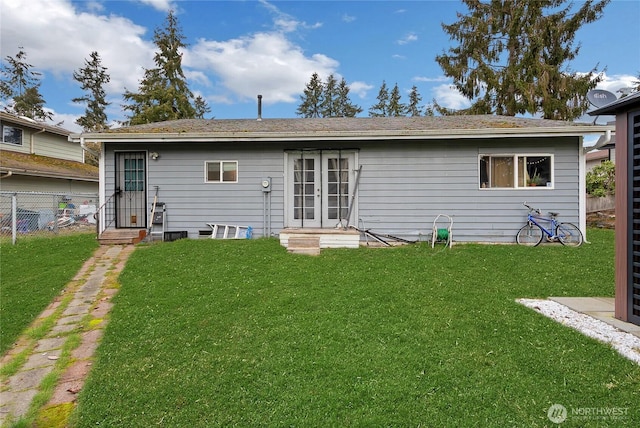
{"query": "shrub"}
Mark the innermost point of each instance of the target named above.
(601, 180)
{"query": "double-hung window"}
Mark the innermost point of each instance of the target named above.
(516, 171)
(11, 135)
(221, 171)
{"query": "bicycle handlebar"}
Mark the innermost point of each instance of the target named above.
(532, 209)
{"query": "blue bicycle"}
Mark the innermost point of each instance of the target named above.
(532, 233)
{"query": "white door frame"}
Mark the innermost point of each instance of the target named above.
(330, 193)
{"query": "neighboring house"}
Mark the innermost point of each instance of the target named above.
(627, 297)
(477, 169)
(35, 157)
(596, 157)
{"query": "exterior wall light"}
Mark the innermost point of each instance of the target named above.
(154, 155)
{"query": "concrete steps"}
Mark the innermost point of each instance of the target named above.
(122, 236)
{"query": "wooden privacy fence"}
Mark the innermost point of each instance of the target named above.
(595, 204)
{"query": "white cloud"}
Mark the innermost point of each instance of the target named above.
(360, 88)
(73, 34)
(410, 37)
(616, 82)
(161, 5)
(261, 63)
(431, 79)
(285, 22)
(449, 97)
(348, 18)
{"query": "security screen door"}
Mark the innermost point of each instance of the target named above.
(130, 189)
(319, 188)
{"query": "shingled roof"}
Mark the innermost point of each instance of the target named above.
(348, 128)
(43, 166)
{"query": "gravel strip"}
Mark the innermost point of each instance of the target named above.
(626, 344)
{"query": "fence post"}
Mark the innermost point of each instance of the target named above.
(14, 218)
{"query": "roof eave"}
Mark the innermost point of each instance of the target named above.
(574, 131)
(34, 173)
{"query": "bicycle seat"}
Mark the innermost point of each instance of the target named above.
(554, 214)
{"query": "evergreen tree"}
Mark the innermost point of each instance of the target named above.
(312, 99)
(345, 107)
(329, 106)
(163, 93)
(20, 88)
(381, 108)
(92, 77)
(201, 107)
(511, 57)
(396, 108)
(413, 109)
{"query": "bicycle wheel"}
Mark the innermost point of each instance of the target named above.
(568, 234)
(529, 235)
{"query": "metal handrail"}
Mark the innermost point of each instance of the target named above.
(103, 212)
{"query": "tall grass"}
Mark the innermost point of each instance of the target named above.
(32, 273)
(216, 333)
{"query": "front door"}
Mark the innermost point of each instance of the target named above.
(320, 186)
(130, 189)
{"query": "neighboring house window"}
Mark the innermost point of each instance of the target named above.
(11, 135)
(221, 171)
(516, 171)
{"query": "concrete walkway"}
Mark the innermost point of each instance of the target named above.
(81, 309)
(601, 308)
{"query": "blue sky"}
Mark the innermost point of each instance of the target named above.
(239, 49)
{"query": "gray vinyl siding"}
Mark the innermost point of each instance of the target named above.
(403, 187)
(403, 191)
(191, 203)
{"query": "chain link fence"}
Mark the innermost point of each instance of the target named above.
(45, 214)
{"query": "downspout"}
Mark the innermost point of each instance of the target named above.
(87, 149)
(602, 141)
(7, 175)
(32, 141)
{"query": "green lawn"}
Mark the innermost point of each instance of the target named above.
(239, 333)
(32, 273)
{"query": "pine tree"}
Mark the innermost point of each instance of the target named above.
(511, 57)
(329, 106)
(381, 108)
(163, 93)
(413, 109)
(312, 98)
(201, 107)
(20, 88)
(345, 107)
(92, 77)
(396, 108)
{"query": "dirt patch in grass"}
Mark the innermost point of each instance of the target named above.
(602, 219)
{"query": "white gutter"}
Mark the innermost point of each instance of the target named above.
(130, 137)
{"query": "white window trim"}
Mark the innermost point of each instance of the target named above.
(515, 175)
(14, 127)
(221, 162)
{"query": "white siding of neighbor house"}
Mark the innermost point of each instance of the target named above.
(403, 187)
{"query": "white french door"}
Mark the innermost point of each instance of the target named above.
(320, 186)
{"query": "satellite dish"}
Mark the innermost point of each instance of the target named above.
(600, 98)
